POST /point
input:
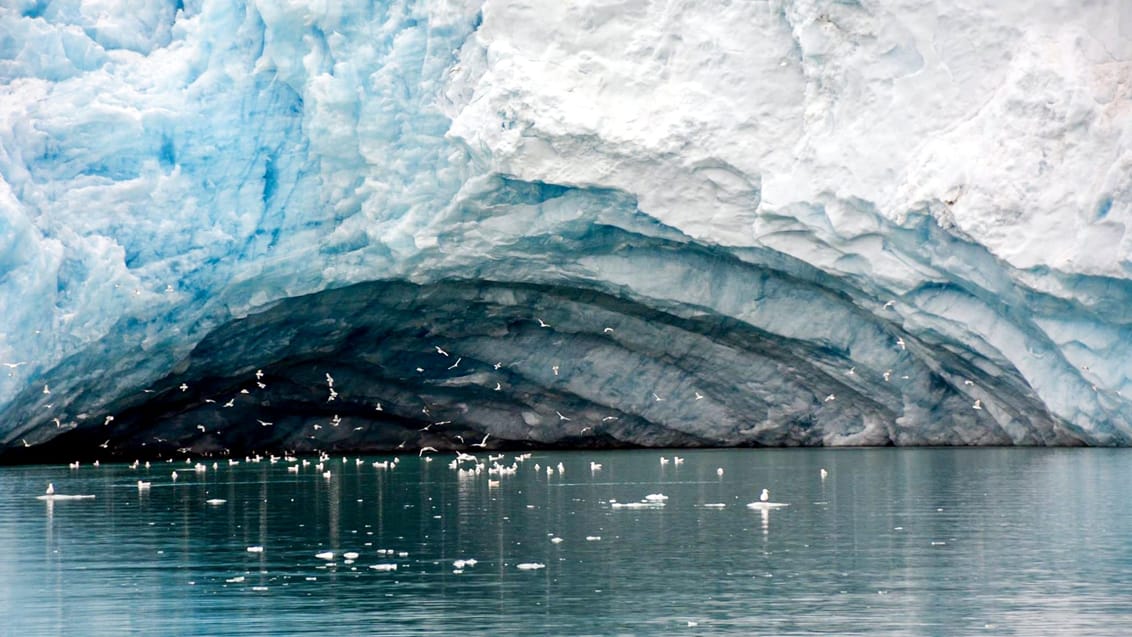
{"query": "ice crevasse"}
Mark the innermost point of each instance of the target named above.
(588, 223)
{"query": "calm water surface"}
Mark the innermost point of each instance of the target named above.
(892, 542)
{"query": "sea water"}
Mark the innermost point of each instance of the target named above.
(890, 542)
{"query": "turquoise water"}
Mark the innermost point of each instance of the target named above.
(892, 542)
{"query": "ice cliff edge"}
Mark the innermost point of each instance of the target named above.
(591, 223)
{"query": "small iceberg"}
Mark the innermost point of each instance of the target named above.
(384, 567)
(764, 503)
(530, 566)
(325, 555)
(52, 496)
(215, 501)
(654, 503)
(255, 549)
(766, 506)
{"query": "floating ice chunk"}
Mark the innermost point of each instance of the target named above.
(60, 496)
(235, 580)
(714, 505)
(766, 506)
(593, 538)
(656, 497)
(556, 540)
(350, 555)
(644, 504)
(530, 566)
(325, 555)
(215, 501)
(384, 567)
(255, 549)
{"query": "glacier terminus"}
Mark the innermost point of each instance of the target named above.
(240, 225)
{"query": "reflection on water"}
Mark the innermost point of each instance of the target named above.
(912, 541)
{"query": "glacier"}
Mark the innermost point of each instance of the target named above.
(266, 225)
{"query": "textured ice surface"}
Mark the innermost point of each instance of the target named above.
(743, 223)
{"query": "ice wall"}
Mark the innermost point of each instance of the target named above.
(742, 222)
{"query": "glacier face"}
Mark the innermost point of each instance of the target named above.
(623, 223)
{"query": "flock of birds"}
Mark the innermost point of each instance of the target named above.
(465, 465)
(496, 468)
(432, 428)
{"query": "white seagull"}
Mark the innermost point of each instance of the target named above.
(440, 351)
(542, 323)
